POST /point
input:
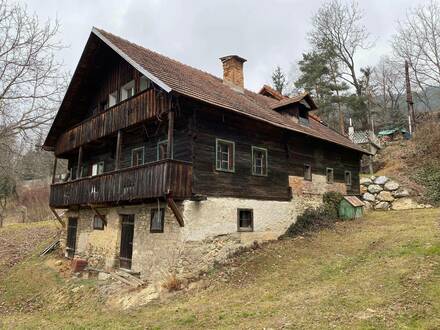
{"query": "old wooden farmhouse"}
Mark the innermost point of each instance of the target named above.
(171, 168)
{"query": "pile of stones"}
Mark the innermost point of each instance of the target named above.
(382, 193)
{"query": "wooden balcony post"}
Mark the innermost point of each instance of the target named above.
(80, 156)
(170, 133)
(118, 151)
(54, 171)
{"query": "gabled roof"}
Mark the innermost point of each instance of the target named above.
(179, 78)
(295, 99)
(266, 90)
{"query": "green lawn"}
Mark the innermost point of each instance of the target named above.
(379, 272)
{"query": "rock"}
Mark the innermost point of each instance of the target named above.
(381, 180)
(404, 203)
(401, 193)
(391, 185)
(368, 197)
(103, 276)
(385, 196)
(363, 189)
(374, 188)
(372, 178)
(365, 181)
(382, 206)
(368, 205)
(58, 263)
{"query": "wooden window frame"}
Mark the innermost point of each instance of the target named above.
(217, 168)
(348, 184)
(245, 229)
(96, 217)
(305, 172)
(101, 162)
(332, 171)
(162, 220)
(158, 150)
(266, 158)
(143, 155)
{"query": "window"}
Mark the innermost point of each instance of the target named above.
(84, 171)
(98, 224)
(104, 105)
(112, 98)
(259, 161)
(330, 175)
(348, 178)
(245, 220)
(97, 168)
(137, 156)
(303, 116)
(157, 220)
(162, 147)
(127, 90)
(307, 172)
(225, 158)
(144, 83)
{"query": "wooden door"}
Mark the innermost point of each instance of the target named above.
(127, 232)
(71, 236)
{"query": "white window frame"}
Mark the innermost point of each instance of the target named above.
(349, 176)
(112, 99)
(219, 168)
(127, 89)
(266, 168)
(143, 155)
(96, 166)
(158, 149)
(333, 175)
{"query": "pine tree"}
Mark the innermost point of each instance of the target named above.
(279, 80)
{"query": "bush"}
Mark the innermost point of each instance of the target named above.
(333, 199)
(172, 283)
(429, 177)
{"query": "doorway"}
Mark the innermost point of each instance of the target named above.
(127, 231)
(71, 237)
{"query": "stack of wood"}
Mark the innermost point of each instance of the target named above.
(127, 278)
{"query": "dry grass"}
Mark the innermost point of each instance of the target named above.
(172, 283)
(377, 273)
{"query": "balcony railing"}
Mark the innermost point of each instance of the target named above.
(127, 185)
(143, 106)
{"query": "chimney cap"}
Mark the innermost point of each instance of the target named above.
(235, 57)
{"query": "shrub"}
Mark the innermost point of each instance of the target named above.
(172, 283)
(333, 199)
(429, 177)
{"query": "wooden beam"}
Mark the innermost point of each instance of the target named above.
(170, 133)
(58, 217)
(54, 171)
(118, 151)
(80, 156)
(99, 214)
(176, 211)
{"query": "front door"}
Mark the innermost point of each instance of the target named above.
(71, 236)
(127, 231)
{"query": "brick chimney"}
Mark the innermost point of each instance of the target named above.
(233, 71)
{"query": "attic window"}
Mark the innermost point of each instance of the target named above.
(144, 83)
(112, 98)
(127, 90)
(303, 116)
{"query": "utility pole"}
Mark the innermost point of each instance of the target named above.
(409, 101)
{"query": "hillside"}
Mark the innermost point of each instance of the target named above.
(380, 272)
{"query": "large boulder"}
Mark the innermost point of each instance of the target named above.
(374, 188)
(401, 193)
(391, 185)
(365, 181)
(385, 196)
(405, 203)
(382, 206)
(368, 197)
(381, 180)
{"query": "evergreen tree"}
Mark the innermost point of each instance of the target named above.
(279, 80)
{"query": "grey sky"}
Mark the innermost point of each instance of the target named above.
(197, 33)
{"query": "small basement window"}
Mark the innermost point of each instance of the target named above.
(330, 175)
(137, 156)
(307, 172)
(98, 224)
(245, 220)
(157, 220)
(225, 155)
(97, 168)
(162, 147)
(127, 90)
(259, 161)
(144, 83)
(348, 178)
(112, 99)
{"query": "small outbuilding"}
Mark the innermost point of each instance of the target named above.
(351, 208)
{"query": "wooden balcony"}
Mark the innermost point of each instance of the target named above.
(143, 106)
(133, 184)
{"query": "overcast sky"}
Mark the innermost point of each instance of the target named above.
(197, 33)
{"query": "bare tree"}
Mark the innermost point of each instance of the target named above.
(418, 41)
(337, 27)
(31, 80)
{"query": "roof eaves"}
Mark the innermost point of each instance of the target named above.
(136, 65)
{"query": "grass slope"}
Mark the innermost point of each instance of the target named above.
(380, 272)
